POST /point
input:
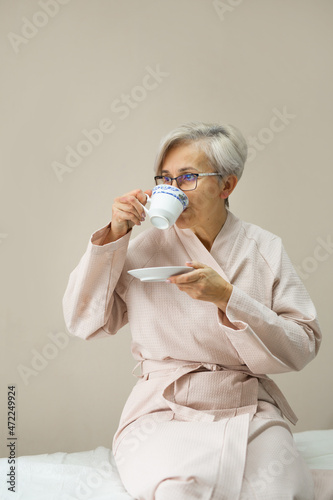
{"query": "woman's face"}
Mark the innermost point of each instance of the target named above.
(206, 206)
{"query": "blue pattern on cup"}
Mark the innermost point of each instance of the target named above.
(173, 191)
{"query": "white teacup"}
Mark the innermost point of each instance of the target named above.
(166, 204)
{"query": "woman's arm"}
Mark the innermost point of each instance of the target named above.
(279, 339)
(91, 300)
(92, 305)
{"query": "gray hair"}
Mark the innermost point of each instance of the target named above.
(223, 145)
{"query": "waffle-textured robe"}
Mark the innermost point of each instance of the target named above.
(204, 420)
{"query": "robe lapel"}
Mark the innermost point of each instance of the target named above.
(197, 251)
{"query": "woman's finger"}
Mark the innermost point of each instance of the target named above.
(195, 264)
(186, 278)
(125, 212)
(133, 205)
(129, 207)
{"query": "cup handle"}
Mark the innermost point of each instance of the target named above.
(148, 200)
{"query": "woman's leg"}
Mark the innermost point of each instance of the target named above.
(184, 460)
(274, 468)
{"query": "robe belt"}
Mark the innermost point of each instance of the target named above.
(179, 368)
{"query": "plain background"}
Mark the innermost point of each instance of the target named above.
(233, 61)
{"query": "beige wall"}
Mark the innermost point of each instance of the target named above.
(243, 63)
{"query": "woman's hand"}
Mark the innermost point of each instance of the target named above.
(204, 284)
(127, 212)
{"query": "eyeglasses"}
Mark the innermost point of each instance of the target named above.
(186, 182)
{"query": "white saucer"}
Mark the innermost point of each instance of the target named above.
(158, 273)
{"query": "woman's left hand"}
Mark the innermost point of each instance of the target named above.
(204, 284)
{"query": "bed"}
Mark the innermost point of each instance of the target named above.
(93, 474)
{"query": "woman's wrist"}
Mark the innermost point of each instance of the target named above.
(222, 303)
(112, 235)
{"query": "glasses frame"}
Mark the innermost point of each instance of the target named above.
(176, 179)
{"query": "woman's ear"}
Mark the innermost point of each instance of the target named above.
(230, 183)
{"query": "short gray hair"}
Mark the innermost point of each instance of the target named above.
(223, 145)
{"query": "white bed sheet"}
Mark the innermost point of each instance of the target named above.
(93, 475)
(66, 476)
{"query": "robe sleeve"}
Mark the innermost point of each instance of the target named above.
(279, 339)
(92, 305)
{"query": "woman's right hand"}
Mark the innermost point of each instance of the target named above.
(127, 212)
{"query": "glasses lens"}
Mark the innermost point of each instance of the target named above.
(187, 182)
(163, 180)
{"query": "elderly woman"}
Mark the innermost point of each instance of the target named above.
(204, 420)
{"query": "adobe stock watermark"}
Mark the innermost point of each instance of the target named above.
(122, 107)
(41, 359)
(225, 7)
(265, 476)
(137, 436)
(322, 251)
(94, 480)
(278, 122)
(30, 27)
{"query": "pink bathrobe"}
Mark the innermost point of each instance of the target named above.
(204, 420)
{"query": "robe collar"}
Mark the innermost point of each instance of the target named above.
(221, 248)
